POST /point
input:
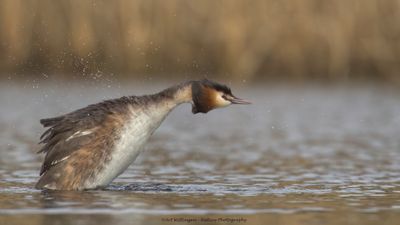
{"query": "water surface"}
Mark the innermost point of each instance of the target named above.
(305, 155)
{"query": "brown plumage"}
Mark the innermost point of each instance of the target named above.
(89, 147)
(89, 152)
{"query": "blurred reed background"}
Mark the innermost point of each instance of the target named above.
(294, 40)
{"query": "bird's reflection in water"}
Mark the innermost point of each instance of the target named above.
(58, 199)
(84, 207)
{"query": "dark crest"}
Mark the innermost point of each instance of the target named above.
(202, 98)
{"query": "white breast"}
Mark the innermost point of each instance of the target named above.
(134, 136)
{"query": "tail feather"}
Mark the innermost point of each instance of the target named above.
(51, 121)
(44, 134)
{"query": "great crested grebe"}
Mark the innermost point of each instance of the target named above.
(88, 148)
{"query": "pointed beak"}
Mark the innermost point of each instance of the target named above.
(236, 100)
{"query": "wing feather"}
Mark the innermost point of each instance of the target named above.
(57, 140)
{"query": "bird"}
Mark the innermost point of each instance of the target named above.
(89, 147)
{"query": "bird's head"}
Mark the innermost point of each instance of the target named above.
(208, 95)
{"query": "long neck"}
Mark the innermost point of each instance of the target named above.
(176, 95)
(160, 104)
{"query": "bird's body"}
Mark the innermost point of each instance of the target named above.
(90, 147)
